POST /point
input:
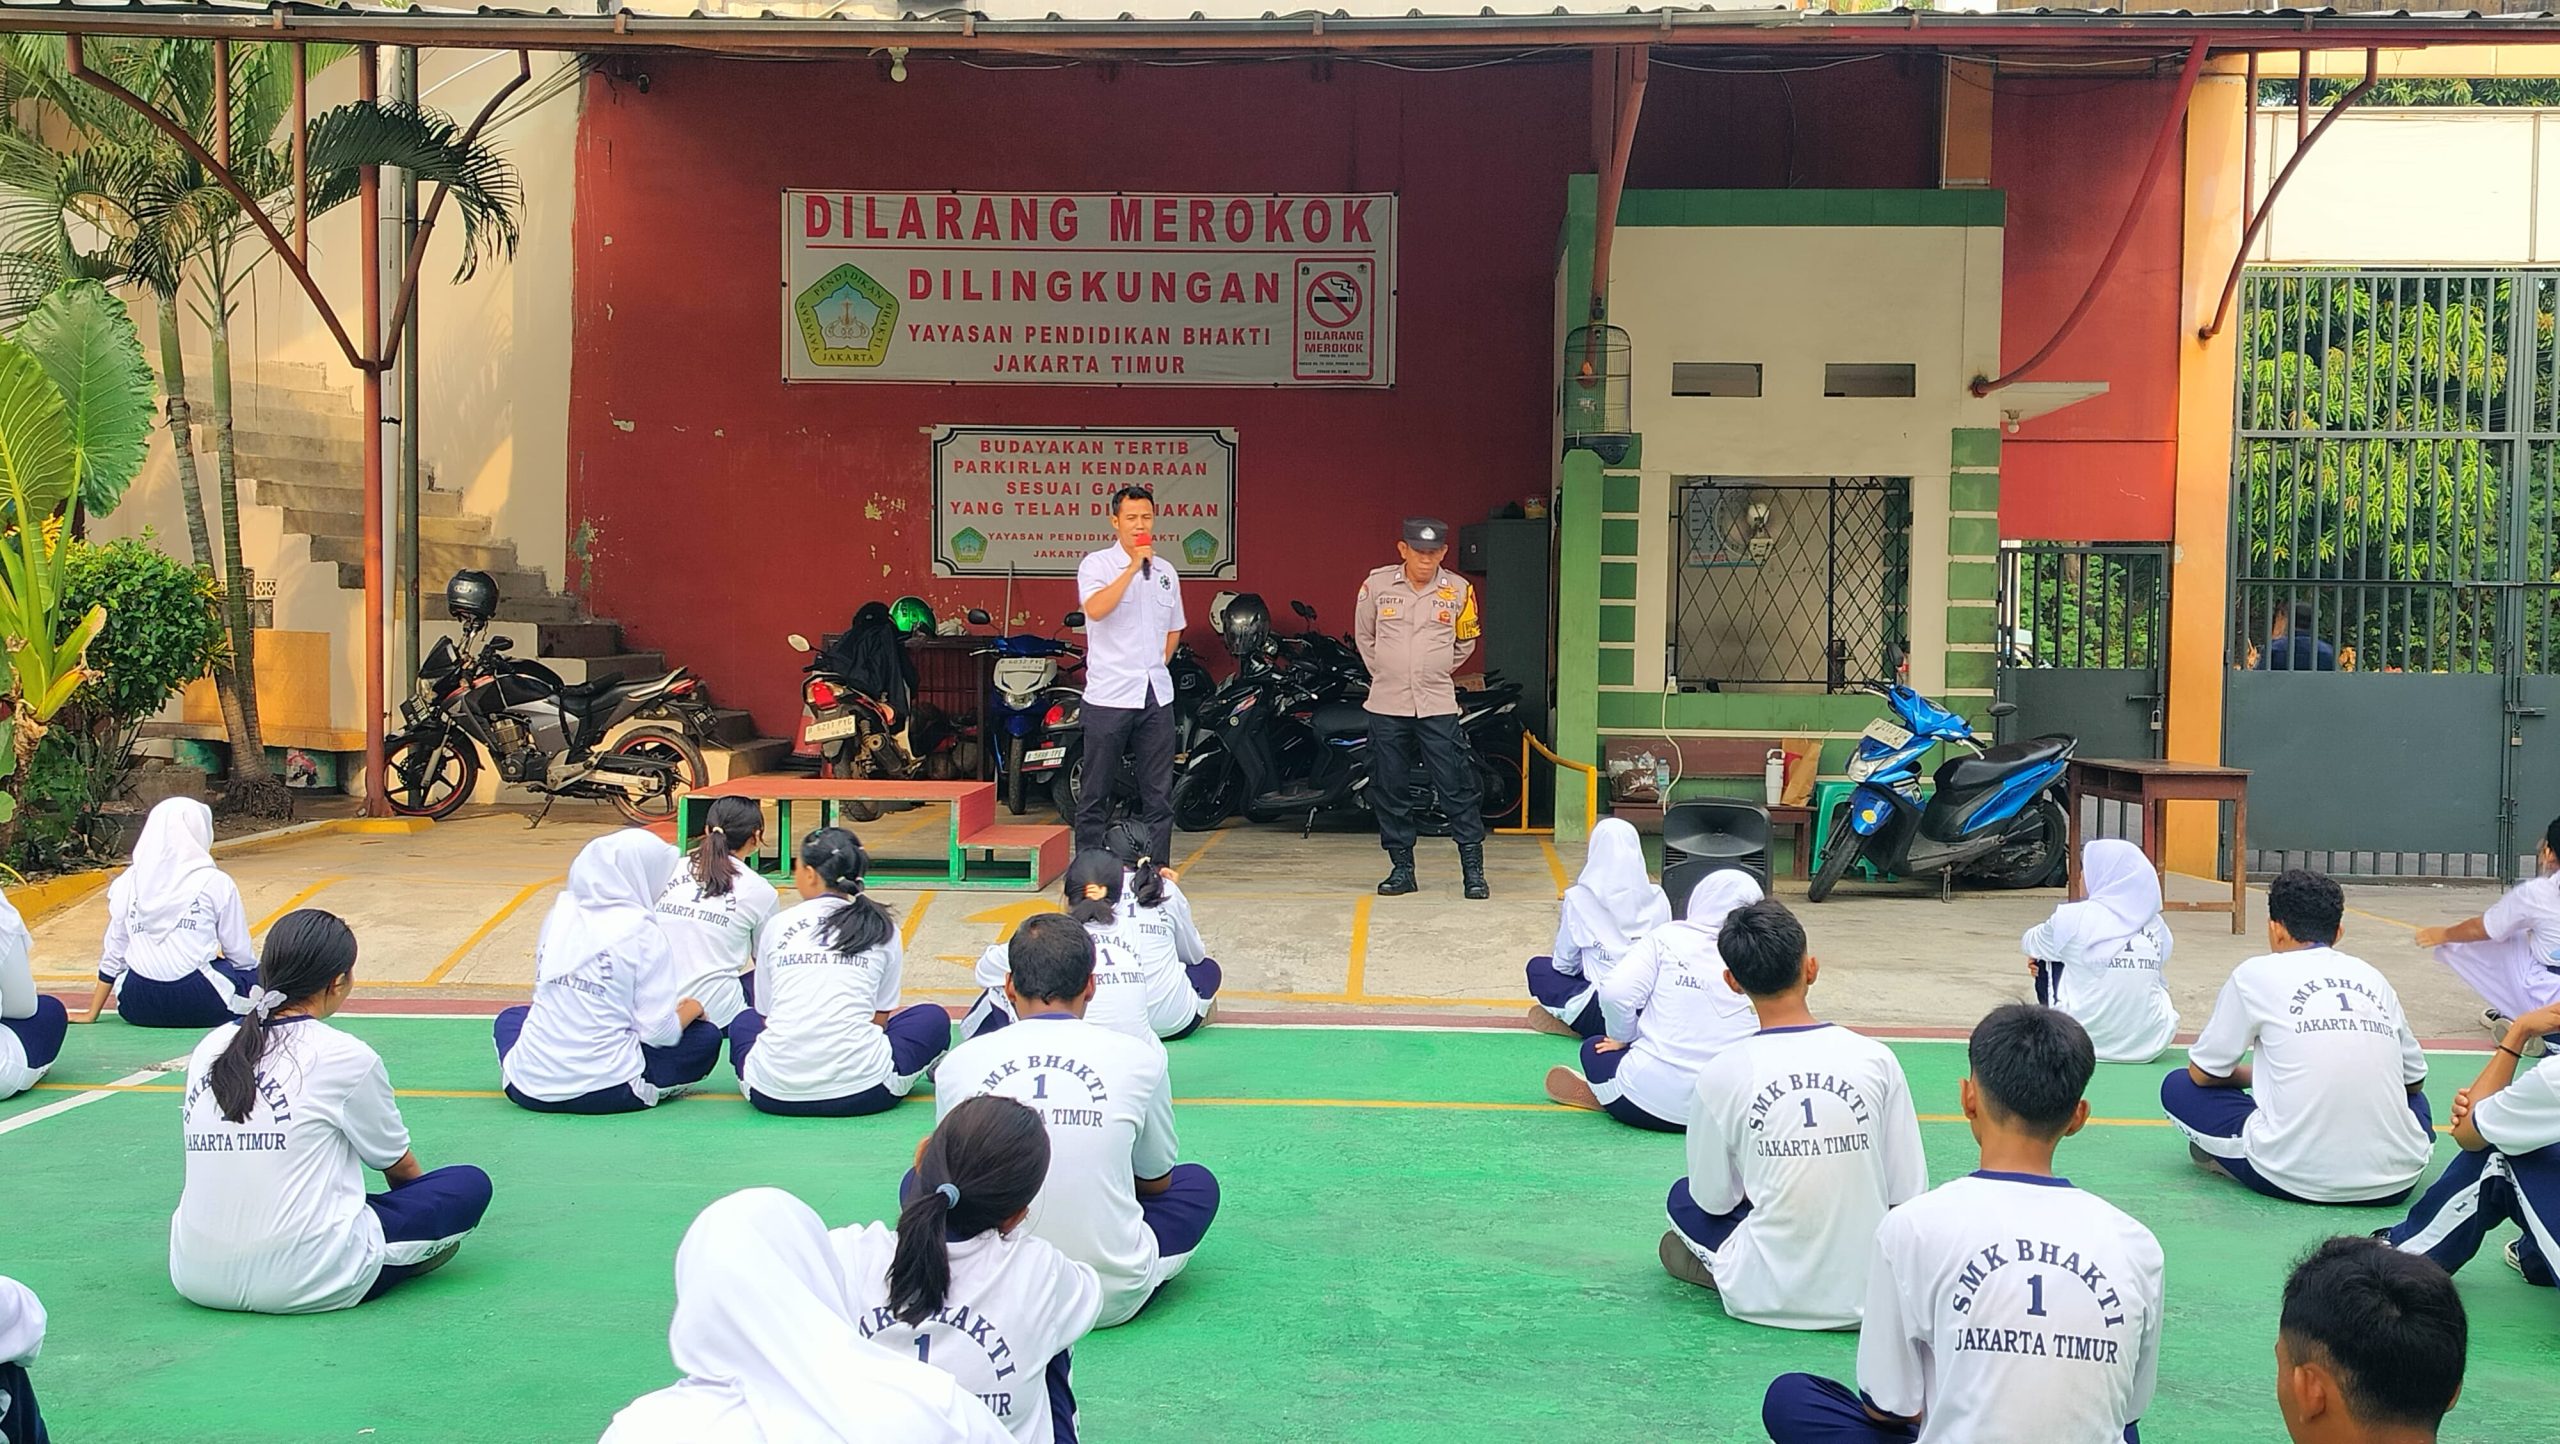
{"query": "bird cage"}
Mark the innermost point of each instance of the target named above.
(1598, 386)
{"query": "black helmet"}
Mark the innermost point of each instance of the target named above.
(1245, 623)
(1126, 837)
(472, 597)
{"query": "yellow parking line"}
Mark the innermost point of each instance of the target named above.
(523, 895)
(295, 901)
(1356, 976)
(915, 919)
(1206, 843)
(1555, 864)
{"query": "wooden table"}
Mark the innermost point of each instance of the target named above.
(2147, 784)
(1799, 821)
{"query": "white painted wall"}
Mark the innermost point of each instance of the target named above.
(2414, 186)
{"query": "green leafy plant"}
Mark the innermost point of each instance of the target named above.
(87, 344)
(39, 474)
(166, 632)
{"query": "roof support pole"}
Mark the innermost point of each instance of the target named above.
(2258, 215)
(1628, 65)
(2171, 126)
(369, 246)
(301, 153)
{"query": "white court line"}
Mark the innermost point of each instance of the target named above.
(83, 1100)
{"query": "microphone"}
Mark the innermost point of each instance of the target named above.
(1147, 568)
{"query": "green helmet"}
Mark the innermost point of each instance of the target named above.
(912, 615)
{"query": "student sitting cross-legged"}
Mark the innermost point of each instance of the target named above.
(1801, 1136)
(963, 1285)
(31, 1025)
(1155, 917)
(2370, 1346)
(607, 1031)
(714, 909)
(2332, 1110)
(829, 1040)
(1116, 1197)
(765, 1336)
(177, 952)
(1141, 984)
(2509, 1167)
(1611, 905)
(2007, 1304)
(283, 1115)
(22, 1321)
(1668, 1012)
(2104, 959)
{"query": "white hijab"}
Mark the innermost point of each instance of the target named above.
(765, 1336)
(1614, 902)
(2124, 898)
(170, 861)
(610, 905)
(1716, 894)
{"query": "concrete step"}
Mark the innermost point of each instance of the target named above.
(731, 727)
(347, 498)
(261, 415)
(299, 446)
(630, 666)
(457, 530)
(534, 606)
(589, 638)
(435, 558)
(281, 375)
(300, 471)
(522, 592)
(745, 759)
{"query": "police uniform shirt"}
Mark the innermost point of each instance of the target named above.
(1413, 638)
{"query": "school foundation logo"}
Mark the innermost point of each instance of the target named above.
(1199, 549)
(969, 546)
(847, 318)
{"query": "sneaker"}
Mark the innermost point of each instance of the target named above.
(1682, 1262)
(1542, 1021)
(2206, 1161)
(435, 1260)
(2498, 1023)
(1572, 1090)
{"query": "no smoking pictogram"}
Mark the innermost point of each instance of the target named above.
(1334, 298)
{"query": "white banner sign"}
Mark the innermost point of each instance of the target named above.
(1033, 500)
(1089, 290)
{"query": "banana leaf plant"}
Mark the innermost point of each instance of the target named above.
(40, 472)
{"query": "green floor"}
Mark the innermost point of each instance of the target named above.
(1378, 1273)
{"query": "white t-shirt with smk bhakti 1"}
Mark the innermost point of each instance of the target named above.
(714, 938)
(273, 1218)
(1125, 993)
(820, 1039)
(1014, 1304)
(1108, 1105)
(1813, 1126)
(2012, 1308)
(2335, 1062)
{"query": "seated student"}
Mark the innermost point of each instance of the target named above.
(829, 1041)
(2370, 1347)
(1668, 1011)
(607, 1031)
(1141, 986)
(2332, 1111)
(2510, 955)
(713, 910)
(1155, 916)
(1610, 906)
(764, 1334)
(21, 1339)
(1801, 1136)
(177, 953)
(31, 1024)
(2006, 1304)
(1116, 1199)
(2509, 1167)
(284, 1113)
(2104, 959)
(962, 1285)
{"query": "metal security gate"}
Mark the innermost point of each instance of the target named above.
(1790, 582)
(2395, 618)
(2082, 634)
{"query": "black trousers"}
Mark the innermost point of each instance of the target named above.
(1146, 735)
(1453, 772)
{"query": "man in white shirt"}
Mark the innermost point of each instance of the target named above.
(2332, 1110)
(2509, 1167)
(1133, 620)
(2510, 955)
(2005, 1307)
(1115, 1199)
(1800, 1138)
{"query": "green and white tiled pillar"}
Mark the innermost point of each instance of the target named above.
(1597, 548)
(1973, 571)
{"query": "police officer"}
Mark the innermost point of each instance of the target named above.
(1416, 624)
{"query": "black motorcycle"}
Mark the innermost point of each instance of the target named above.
(539, 732)
(1064, 722)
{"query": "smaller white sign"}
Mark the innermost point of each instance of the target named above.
(1032, 501)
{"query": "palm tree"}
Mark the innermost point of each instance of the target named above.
(89, 188)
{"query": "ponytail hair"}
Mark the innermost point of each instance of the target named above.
(982, 1165)
(1146, 883)
(734, 822)
(862, 924)
(1093, 869)
(306, 954)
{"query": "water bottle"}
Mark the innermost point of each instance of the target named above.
(1774, 775)
(1662, 779)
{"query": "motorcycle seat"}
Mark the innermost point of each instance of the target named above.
(591, 688)
(1995, 763)
(1340, 719)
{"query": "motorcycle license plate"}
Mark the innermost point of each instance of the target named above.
(1044, 756)
(833, 728)
(1880, 731)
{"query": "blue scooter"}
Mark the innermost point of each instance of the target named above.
(1025, 705)
(1996, 816)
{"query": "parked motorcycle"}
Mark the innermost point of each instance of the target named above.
(1064, 722)
(538, 732)
(1027, 700)
(1996, 816)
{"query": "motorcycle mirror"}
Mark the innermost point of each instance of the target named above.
(798, 643)
(2003, 709)
(502, 644)
(1303, 610)
(978, 617)
(1075, 621)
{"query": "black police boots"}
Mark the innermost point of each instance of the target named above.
(1399, 879)
(1471, 866)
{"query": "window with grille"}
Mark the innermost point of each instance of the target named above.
(1789, 582)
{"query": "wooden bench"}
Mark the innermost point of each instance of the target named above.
(910, 846)
(1739, 757)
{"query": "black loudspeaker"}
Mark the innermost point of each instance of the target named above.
(1710, 834)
